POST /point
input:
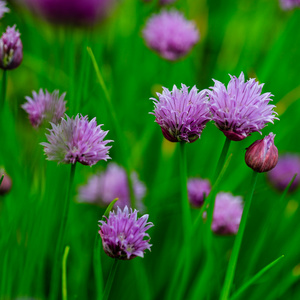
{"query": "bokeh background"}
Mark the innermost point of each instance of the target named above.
(256, 37)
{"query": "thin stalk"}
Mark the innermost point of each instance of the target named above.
(3, 89)
(61, 234)
(64, 274)
(110, 279)
(255, 277)
(222, 157)
(98, 268)
(237, 244)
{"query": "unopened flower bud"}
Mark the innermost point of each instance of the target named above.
(11, 49)
(262, 155)
(6, 183)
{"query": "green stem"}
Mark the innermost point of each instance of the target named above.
(59, 245)
(64, 274)
(98, 268)
(237, 244)
(3, 88)
(222, 157)
(110, 279)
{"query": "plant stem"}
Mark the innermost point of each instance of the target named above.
(222, 158)
(98, 268)
(59, 245)
(110, 279)
(237, 244)
(64, 274)
(3, 89)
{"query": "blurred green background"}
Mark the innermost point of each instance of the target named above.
(255, 37)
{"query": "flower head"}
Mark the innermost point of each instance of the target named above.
(240, 109)
(287, 166)
(123, 234)
(227, 214)
(182, 115)
(104, 187)
(262, 155)
(289, 4)
(74, 12)
(45, 107)
(198, 190)
(170, 34)
(77, 140)
(6, 184)
(3, 8)
(11, 49)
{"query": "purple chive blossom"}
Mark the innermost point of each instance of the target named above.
(11, 49)
(182, 115)
(45, 107)
(170, 34)
(103, 188)
(227, 214)
(3, 8)
(6, 184)
(287, 166)
(240, 109)
(75, 12)
(77, 140)
(289, 4)
(198, 190)
(123, 234)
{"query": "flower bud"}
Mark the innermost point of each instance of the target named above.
(11, 49)
(262, 155)
(6, 183)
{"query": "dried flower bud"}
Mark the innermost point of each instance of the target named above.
(262, 155)
(6, 183)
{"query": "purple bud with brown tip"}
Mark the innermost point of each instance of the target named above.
(6, 183)
(262, 155)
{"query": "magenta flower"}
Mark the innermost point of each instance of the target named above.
(11, 49)
(262, 155)
(77, 140)
(227, 214)
(289, 4)
(45, 107)
(6, 184)
(74, 12)
(287, 166)
(104, 187)
(198, 190)
(182, 115)
(170, 34)
(240, 109)
(123, 234)
(3, 8)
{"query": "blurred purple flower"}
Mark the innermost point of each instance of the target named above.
(287, 166)
(77, 140)
(74, 12)
(166, 2)
(289, 4)
(3, 8)
(6, 184)
(240, 109)
(45, 107)
(262, 155)
(11, 49)
(198, 190)
(227, 214)
(123, 234)
(170, 34)
(182, 115)
(103, 188)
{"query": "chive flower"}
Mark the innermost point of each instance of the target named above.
(76, 140)
(103, 188)
(227, 214)
(170, 35)
(181, 114)
(3, 8)
(287, 166)
(11, 49)
(45, 107)
(6, 184)
(240, 109)
(262, 155)
(289, 4)
(198, 190)
(123, 234)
